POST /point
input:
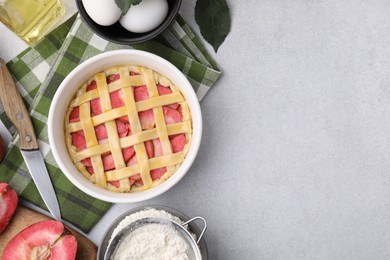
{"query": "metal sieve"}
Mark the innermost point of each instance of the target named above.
(192, 227)
(193, 251)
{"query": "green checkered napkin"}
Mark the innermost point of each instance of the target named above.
(38, 71)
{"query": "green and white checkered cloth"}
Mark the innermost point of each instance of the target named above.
(38, 71)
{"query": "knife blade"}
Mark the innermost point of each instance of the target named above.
(28, 143)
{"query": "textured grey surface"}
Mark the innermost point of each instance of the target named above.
(295, 157)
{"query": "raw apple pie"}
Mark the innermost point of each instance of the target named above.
(128, 128)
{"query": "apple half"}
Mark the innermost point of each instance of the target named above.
(43, 240)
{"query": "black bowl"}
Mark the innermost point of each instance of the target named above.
(116, 33)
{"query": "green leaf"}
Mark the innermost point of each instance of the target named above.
(124, 5)
(213, 18)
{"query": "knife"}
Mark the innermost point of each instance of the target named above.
(28, 144)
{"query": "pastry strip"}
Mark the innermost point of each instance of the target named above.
(154, 163)
(91, 141)
(135, 124)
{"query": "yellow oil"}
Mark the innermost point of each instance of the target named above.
(30, 19)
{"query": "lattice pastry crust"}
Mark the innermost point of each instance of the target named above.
(128, 128)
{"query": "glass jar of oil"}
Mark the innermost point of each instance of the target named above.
(30, 19)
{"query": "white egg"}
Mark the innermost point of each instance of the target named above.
(145, 16)
(103, 12)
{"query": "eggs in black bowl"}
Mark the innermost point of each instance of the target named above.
(141, 23)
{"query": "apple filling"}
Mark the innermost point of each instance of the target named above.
(128, 129)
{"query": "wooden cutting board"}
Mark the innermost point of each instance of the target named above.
(24, 217)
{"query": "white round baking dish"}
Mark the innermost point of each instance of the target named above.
(66, 92)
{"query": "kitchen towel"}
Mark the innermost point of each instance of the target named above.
(38, 72)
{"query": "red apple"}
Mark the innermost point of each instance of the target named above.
(43, 240)
(8, 204)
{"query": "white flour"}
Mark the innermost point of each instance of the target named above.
(152, 241)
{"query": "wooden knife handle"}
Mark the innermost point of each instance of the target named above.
(16, 110)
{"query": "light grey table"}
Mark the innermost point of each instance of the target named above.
(295, 157)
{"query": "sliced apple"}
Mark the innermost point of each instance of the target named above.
(158, 173)
(108, 162)
(128, 153)
(8, 204)
(43, 240)
(113, 78)
(149, 148)
(78, 140)
(162, 90)
(141, 93)
(177, 142)
(96, 109)
(75, 115)
(92, 86)
(172, 115)
(117, 99)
